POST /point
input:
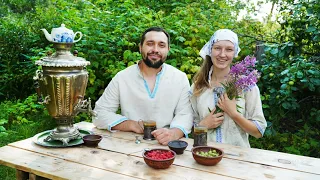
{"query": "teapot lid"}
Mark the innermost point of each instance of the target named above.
(62, 27)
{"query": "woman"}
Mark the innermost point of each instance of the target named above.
(229, 126)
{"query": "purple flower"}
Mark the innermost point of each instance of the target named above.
(242, 77)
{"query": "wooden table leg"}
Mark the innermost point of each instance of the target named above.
(35, 177)
(21, 175)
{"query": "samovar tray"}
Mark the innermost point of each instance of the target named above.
(40, 137)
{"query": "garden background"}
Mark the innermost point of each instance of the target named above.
(287, 50)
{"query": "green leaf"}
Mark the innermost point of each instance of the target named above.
(311, 71)
(284, 72)
(180, 38)
(267, 48)
(283, 139)
(127, 54)
(311, 29)
(2, 129)
(239, 107)
(286, 105)
(274, 51)
(264, 106)
(100, 43)
(299, 74)
(3, 121)
(95, 64)
(315, 81)
(3, 134)
(283, 86)
(292, 150)
(311, 87)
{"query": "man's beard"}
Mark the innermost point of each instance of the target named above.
(153, 64)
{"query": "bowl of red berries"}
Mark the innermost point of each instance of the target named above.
(158, 158)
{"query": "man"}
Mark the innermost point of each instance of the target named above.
(149, 90)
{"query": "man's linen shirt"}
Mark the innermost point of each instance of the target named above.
(168, 104)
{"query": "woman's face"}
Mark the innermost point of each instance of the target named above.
(222, 54)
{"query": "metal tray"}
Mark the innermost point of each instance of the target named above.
(39, 139)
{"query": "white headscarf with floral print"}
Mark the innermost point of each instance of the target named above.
(222, 34)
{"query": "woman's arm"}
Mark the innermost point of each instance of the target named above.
(230, 107)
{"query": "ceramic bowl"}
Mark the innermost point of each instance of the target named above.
(208, 161)
(178, 146)
(92, 140)
(158, 163)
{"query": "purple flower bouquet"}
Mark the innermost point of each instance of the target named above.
(242, 77)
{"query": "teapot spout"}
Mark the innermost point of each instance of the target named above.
(48, 36)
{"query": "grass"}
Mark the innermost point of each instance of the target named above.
(19, 132)
(7, 173)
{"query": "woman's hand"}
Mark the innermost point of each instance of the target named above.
(229, 106)
(212, 120)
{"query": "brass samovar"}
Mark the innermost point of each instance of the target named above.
(62, 84)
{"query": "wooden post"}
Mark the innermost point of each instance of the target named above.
(21, 175)
(35, 177)
(259, 50)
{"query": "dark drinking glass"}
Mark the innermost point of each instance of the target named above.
(200, 136)
(148, 127)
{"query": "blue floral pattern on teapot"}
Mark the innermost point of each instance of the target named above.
(62, 35)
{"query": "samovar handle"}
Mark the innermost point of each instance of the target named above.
(36, 85)
(90, 110)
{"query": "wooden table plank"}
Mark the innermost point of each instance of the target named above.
(258, 156)
(243, 170)
(131, 159)
(50, 167)
(112, 161)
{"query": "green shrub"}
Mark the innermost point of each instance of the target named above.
(19, 112)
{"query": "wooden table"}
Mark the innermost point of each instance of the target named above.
(119, 157)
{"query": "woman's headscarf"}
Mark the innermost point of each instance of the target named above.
(222, 34)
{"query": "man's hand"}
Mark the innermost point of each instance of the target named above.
(164, 135)
(212, 120)
(129, 125)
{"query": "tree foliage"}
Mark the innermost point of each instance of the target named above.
(111, 35)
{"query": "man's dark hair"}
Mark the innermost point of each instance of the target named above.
(157, 29)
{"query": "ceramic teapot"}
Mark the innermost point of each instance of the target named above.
(61, 35)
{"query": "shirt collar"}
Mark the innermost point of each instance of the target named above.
(163, 67)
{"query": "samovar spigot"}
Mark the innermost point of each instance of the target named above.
(84, 106)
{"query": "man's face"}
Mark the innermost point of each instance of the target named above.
(154, 49)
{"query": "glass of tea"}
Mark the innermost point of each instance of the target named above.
(200, 135)
(148, 127)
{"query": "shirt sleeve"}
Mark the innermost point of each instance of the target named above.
(107, 106)
(254, 110)
(183, 112)
(193, 100)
